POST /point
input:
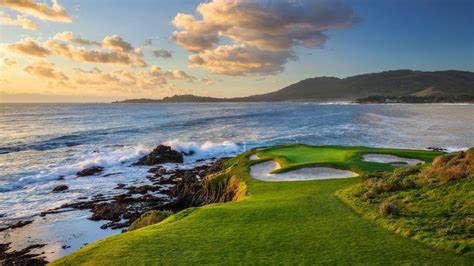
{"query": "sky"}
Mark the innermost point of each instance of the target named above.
(100, 51)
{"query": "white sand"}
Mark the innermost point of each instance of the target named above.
(262, 171)
(253, 157)
(390, 159)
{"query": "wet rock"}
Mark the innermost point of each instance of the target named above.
(161, 154)
(107, 211)
(120, 186)
(158, 170)
(90, 171)
(59, 188)
(21, 257)
(16, 225)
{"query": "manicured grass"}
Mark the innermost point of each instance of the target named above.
(276, 223)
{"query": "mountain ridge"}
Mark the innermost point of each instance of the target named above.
(447, 84)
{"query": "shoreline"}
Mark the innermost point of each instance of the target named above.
(59, 231)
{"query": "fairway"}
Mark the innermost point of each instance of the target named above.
(299, 222)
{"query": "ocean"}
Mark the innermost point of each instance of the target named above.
(41, 143)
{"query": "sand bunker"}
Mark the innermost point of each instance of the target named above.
(390, 159)
(262, 171)
(253, 157)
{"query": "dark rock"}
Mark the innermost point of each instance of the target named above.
(90, 171)
(21, 257)
(16, 225)
(161, 154)
(111, 174)
(157, 170)
(65, 247)
(107, 211)
(120, 186)
(59, 188)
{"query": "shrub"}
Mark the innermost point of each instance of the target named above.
(389, 208)
(149, 218)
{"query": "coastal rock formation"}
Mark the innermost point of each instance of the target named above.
(168, 190)
(161, 154)
(90, 171)
(21, 257)
(59, 188)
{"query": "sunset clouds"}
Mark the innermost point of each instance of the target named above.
(46, 70)
(263, 35)
(29, 47)
(19, 21)
(54, 12)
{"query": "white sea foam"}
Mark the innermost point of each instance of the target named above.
(206, 149)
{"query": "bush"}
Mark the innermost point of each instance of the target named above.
(389, 208)
(149, 218)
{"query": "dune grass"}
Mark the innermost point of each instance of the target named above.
(300, 222)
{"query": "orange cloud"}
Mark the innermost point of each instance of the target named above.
(43, 11)
(29, 47)
(9, 62)
(19, 21)
(45, 70)
(262, 36)
(68, 36)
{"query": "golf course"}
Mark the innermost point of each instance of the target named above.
(322, 221)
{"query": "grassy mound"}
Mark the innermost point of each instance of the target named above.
(433, 204)
(271, 222)
(149, 218)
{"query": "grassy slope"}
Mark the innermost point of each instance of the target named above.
(433, 204)
(287, 222)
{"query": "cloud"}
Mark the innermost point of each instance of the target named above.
(43, 11)
(126, 80)
(46, 70)
(93, 56)
(161, 53)
(61, 45)
(241, 60)
(29, 47)
(259, 34)
(9, 62)
(116, 43)
(68, 36)
(19, 21)
(207, 81)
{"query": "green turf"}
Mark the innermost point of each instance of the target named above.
(276, 223)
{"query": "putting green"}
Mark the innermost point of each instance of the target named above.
(276, 223)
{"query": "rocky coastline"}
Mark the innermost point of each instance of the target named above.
(169, 190)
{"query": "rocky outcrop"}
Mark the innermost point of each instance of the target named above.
(168, 190)
(90, 171)
(161, 154)
(21, 257)
(59, 188)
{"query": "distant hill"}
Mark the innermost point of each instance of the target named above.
(395, 83)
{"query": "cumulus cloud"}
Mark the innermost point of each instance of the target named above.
(29, 47)
(93, 56)
(68, 36)
(9, 62)
(46, 70)
(43, 11)
(116, 43)
(240, 60)
(122, 80)
(19, 21)
(61, 44)
(262, 35)
(161, 53)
